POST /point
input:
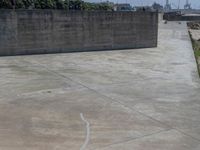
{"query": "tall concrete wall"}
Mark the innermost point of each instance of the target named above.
(160, 17)
(52, 31)
(174, 17)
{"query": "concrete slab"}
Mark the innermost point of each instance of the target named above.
(130, 99)
(165, 140)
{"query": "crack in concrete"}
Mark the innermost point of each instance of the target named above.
(87, 138)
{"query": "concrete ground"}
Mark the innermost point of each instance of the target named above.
(143, 99)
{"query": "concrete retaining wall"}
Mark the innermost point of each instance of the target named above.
(53, 31)
(160, 17)
(181, 18)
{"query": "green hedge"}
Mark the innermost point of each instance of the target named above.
(53, 4)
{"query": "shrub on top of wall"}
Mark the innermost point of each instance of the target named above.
(54, 4)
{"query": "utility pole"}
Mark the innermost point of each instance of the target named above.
(178, 4)
(167, 5)
(187, 5)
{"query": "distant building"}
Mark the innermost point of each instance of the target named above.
(123, 7)
(144, 8)
(157, 7)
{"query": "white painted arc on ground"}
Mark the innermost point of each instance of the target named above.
(87, 138)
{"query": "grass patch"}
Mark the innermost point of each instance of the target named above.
(196, 48)
(195, 44)
(197, 53)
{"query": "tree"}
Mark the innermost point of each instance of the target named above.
(75, 4)
(6, 4)
(26, 3)
(59, 4)
(19, 4)
(157, 6)
(54, 4)
(104, 6)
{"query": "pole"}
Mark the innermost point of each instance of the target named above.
(178, 4)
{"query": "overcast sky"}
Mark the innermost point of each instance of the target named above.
(195, 3)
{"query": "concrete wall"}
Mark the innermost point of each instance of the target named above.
(53, 31)
(160, 17)
(171, 17)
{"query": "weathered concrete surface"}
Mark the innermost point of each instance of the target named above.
(146, 99)
(195, 34)
(55, 31)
